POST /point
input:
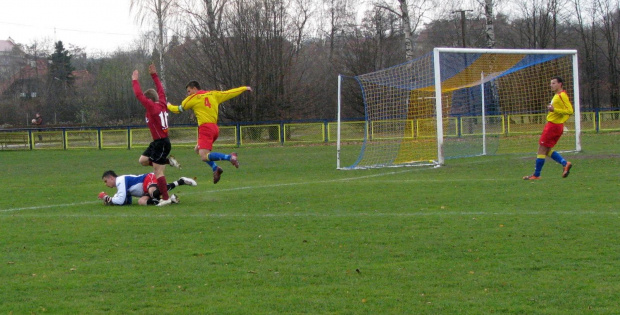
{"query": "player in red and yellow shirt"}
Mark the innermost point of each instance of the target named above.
(560, 109)
(205, 105)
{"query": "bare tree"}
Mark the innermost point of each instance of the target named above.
(610, 27)
(112, 99)
(341, 19)
(214, 13)
(586, 13)
(374, 45)
(247, 43)
(538, 21)
(412, 17)
(160, 12)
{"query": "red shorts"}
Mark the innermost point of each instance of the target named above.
(148, 181)
(207, 134)
(551, 134)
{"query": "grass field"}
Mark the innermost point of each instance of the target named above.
(288, 234)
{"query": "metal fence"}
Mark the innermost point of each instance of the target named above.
(283, 133)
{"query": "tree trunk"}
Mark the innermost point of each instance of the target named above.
(404, 14)
(490, 30)
(211, 19)
(162, 72)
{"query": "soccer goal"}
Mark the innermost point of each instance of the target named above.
(457, 102)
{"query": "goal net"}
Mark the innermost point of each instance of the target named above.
(458, 102)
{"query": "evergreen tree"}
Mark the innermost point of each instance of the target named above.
(60, 85)
(60, 66)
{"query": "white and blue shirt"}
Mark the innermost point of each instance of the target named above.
(128, 186)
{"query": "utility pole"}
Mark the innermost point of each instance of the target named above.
(462, 23)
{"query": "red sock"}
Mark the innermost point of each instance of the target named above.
(163, 187)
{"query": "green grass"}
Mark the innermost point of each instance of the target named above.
(287, 233)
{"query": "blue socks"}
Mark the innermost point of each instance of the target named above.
(212, 164)
(216, 156)
(540, 162)
(558, 158)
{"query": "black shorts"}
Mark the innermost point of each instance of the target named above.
(158, 151)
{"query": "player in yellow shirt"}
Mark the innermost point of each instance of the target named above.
(205, 105)
(560, 109)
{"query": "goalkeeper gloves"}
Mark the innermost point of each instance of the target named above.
(106, 199)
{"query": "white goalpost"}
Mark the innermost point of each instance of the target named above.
(457, 102)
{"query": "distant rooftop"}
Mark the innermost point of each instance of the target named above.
(6, 45)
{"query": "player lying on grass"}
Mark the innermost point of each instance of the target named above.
(142, 186)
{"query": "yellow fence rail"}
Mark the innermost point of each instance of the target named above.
(298, 132)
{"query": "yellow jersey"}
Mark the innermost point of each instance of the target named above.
(562, 108)
(205, 104)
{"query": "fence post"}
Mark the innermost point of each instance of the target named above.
(597, 119)
(282, 133)
(128, 138)
(99, 138)
(64, 138)
(30, 140)
(325, 130)
(238, 134)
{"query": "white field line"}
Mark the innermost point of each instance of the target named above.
(48, 206)
(219, 190)
(349, 179)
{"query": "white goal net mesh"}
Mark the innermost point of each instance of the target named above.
(491, 103)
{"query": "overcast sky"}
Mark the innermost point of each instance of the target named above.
(96, 25)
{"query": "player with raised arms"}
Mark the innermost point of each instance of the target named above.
(205, 105)
(157, 119)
